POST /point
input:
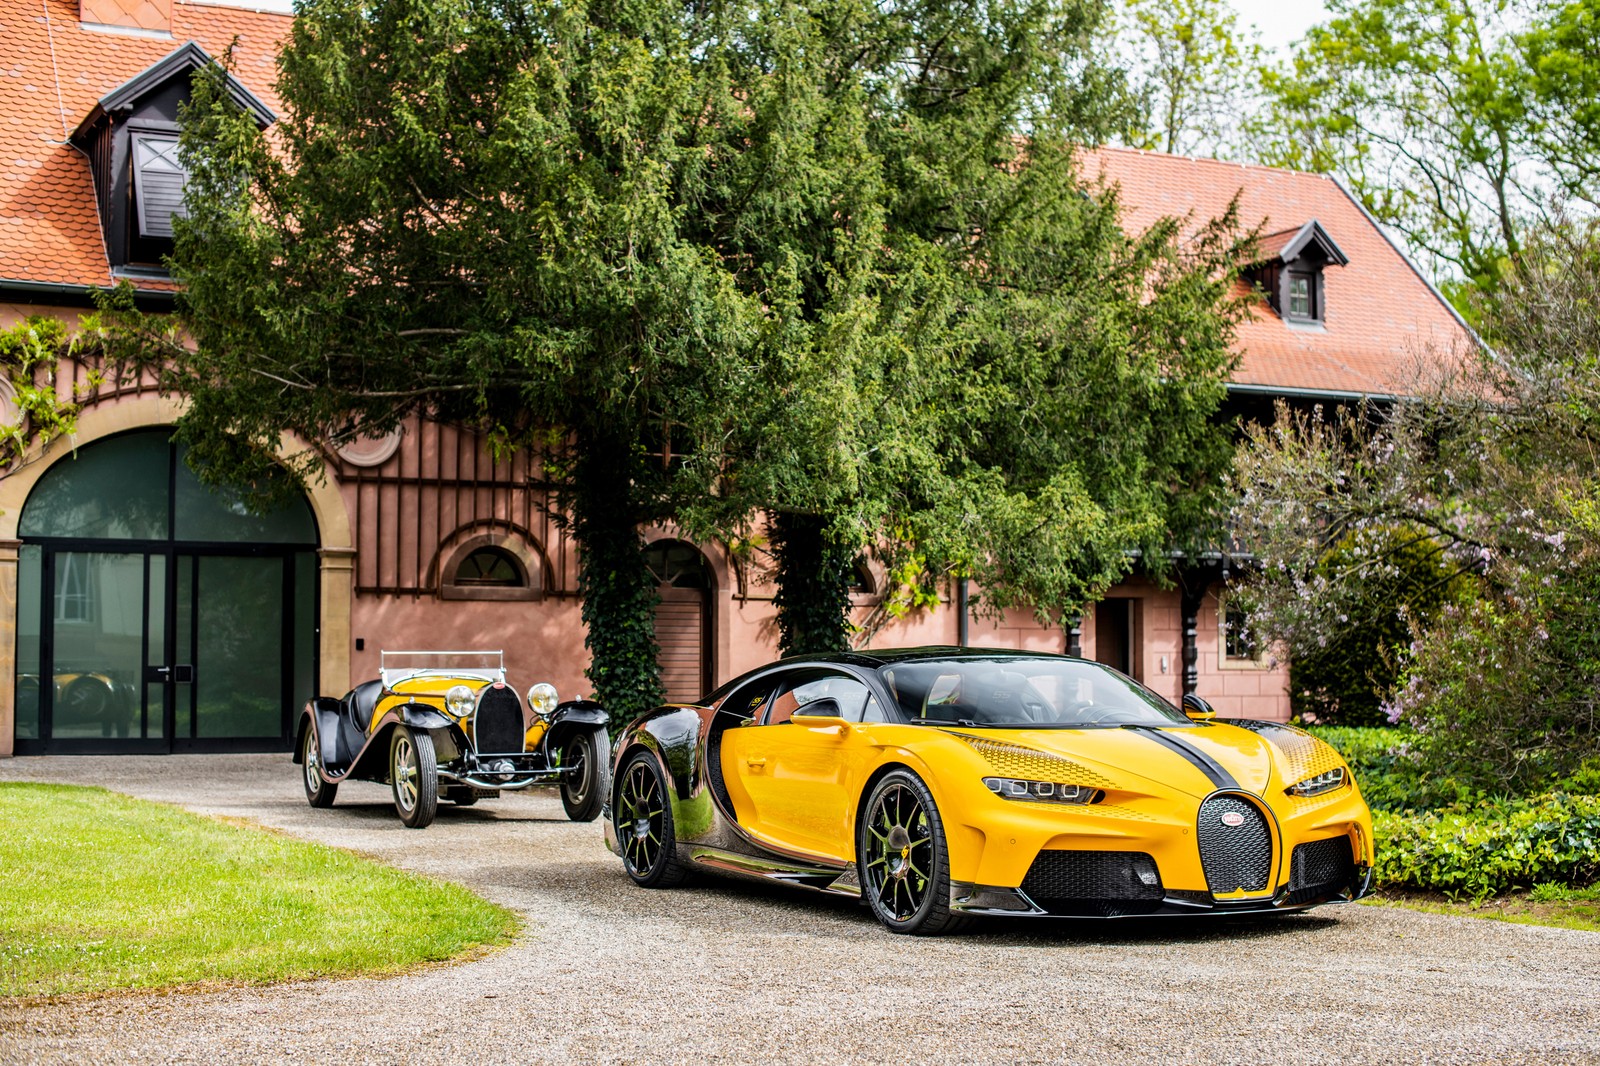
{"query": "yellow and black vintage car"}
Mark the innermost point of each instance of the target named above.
(939, 784)
(447, 724)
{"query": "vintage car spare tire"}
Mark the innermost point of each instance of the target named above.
(583, 757)
(414, 776)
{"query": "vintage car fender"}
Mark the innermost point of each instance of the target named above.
(571, 717)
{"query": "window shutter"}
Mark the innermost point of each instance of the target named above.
(158, 181)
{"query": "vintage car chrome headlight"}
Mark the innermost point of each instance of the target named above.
(458, 701)
(1041, 791)
(1316, 786)
(543, 699)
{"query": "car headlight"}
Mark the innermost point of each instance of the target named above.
(543, 699)
(458, 701)
(1041, 791)
(1316, 786)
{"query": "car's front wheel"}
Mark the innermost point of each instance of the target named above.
(319, 793)
(414, 776)
(643, 823)
(583, 762)
(902, 860)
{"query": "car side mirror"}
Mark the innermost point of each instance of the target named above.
(825, 709)
(1197, 709)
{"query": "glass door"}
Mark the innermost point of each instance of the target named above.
(101, 609)
(232, 640)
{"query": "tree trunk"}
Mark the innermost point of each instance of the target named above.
(813, 578)
(618, 590)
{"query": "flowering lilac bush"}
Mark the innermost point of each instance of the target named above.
(1492, 472)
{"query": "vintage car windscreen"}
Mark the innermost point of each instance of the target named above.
(1020, 693)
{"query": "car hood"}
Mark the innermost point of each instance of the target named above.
(1196, 760)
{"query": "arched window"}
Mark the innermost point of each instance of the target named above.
(492, 567)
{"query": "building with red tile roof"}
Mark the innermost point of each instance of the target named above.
(425, 538)
(56, 63)
(1381, 314)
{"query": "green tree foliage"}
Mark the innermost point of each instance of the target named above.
(1194, 75)
(1454, 121)
(1403, 579)
(833, 261)
(1496, 465)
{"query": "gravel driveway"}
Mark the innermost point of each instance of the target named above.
(723, 972)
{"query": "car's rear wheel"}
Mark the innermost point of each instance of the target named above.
(901, 858)
(414, 776)
(643, 823)
(583, 762)
(319, 793)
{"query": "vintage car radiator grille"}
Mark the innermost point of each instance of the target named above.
(1235, 857)
(497, 726)
(1320, 868)
(1103, 883)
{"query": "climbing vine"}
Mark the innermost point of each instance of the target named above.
(30, 352)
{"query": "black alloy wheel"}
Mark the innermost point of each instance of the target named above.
(901, 858)
(642, 820)
(414, 776)
(319, 793)
(583, 765)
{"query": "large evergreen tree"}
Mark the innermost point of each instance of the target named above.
(828, 260)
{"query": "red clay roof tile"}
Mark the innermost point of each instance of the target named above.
(49, 227)
(1380, 318)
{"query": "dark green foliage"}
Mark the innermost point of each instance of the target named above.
(1494, 847)
(814, 572)
(1406, 581)
(1388, 769)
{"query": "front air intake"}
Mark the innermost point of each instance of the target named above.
(1321, 869)
(497, 725)
(1235, 845)
(1106, 884)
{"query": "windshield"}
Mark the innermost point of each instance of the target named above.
(1019, 693)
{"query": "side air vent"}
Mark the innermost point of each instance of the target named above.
(1235, 845)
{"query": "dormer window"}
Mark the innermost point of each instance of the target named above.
(158, 181)
(131, 139)
(1291, 274)
(1302, 293)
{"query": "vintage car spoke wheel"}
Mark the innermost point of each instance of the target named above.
(414, 776)
(583, 761)
(319, 793)
(643, 823)
(902, 862)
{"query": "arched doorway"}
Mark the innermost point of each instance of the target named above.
(683, 618)
(155, 614)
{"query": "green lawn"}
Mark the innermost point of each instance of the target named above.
(100, 891)
(1566, 908)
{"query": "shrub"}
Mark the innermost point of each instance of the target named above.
(1491, 848)
(1344, 678)
(1389, 772)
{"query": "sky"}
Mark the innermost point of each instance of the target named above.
(1280, 21)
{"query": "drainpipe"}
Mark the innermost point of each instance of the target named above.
(961, 612)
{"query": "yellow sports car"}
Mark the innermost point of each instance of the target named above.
(943, 783)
